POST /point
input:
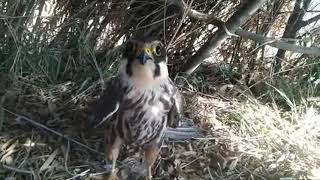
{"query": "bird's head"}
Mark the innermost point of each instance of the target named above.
(146, 60)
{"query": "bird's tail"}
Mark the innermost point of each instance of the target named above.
(183, 133)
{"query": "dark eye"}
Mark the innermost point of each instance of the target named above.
(157, 50)
(129, 48)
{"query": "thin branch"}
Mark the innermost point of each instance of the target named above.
(20, 118)
(230, 27)
(292, 27)
(310, 11)
(185, 12)
(16, 169)
(311, 20)
(278, 43)
(210, 18)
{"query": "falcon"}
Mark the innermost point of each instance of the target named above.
(139, 102)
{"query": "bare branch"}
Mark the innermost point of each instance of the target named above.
(235, 21)
(311, 20)
(293, 25)
(210, 18)
(278, 43)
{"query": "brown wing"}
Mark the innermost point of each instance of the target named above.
(107, 105)
(176, 111)
(175, 132)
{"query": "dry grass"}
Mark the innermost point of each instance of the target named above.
(261, 141)
(245, 138)
(56, 60)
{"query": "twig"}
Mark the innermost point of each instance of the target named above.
(66, 157)
(184, 15)
(16, 169)
(278, 43)
(84, 173)
(20, 117)
(232, 24)
(210, 19)
(98, 174)
(190, 163)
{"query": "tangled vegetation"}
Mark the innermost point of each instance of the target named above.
(259, 105)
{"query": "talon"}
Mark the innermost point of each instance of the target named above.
(113, 176)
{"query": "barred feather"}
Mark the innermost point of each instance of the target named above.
(181, 133)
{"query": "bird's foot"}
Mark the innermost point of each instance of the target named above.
(108, 167)
(112, 172)
(113, 176)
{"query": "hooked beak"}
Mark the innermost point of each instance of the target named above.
(144, 56)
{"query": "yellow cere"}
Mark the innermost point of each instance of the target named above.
(147, 50)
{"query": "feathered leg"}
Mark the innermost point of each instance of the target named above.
(151, 153)
(112, 153)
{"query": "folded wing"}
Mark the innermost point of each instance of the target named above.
(176, 111)
(107, 105)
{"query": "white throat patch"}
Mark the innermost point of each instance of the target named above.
(143, 75)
